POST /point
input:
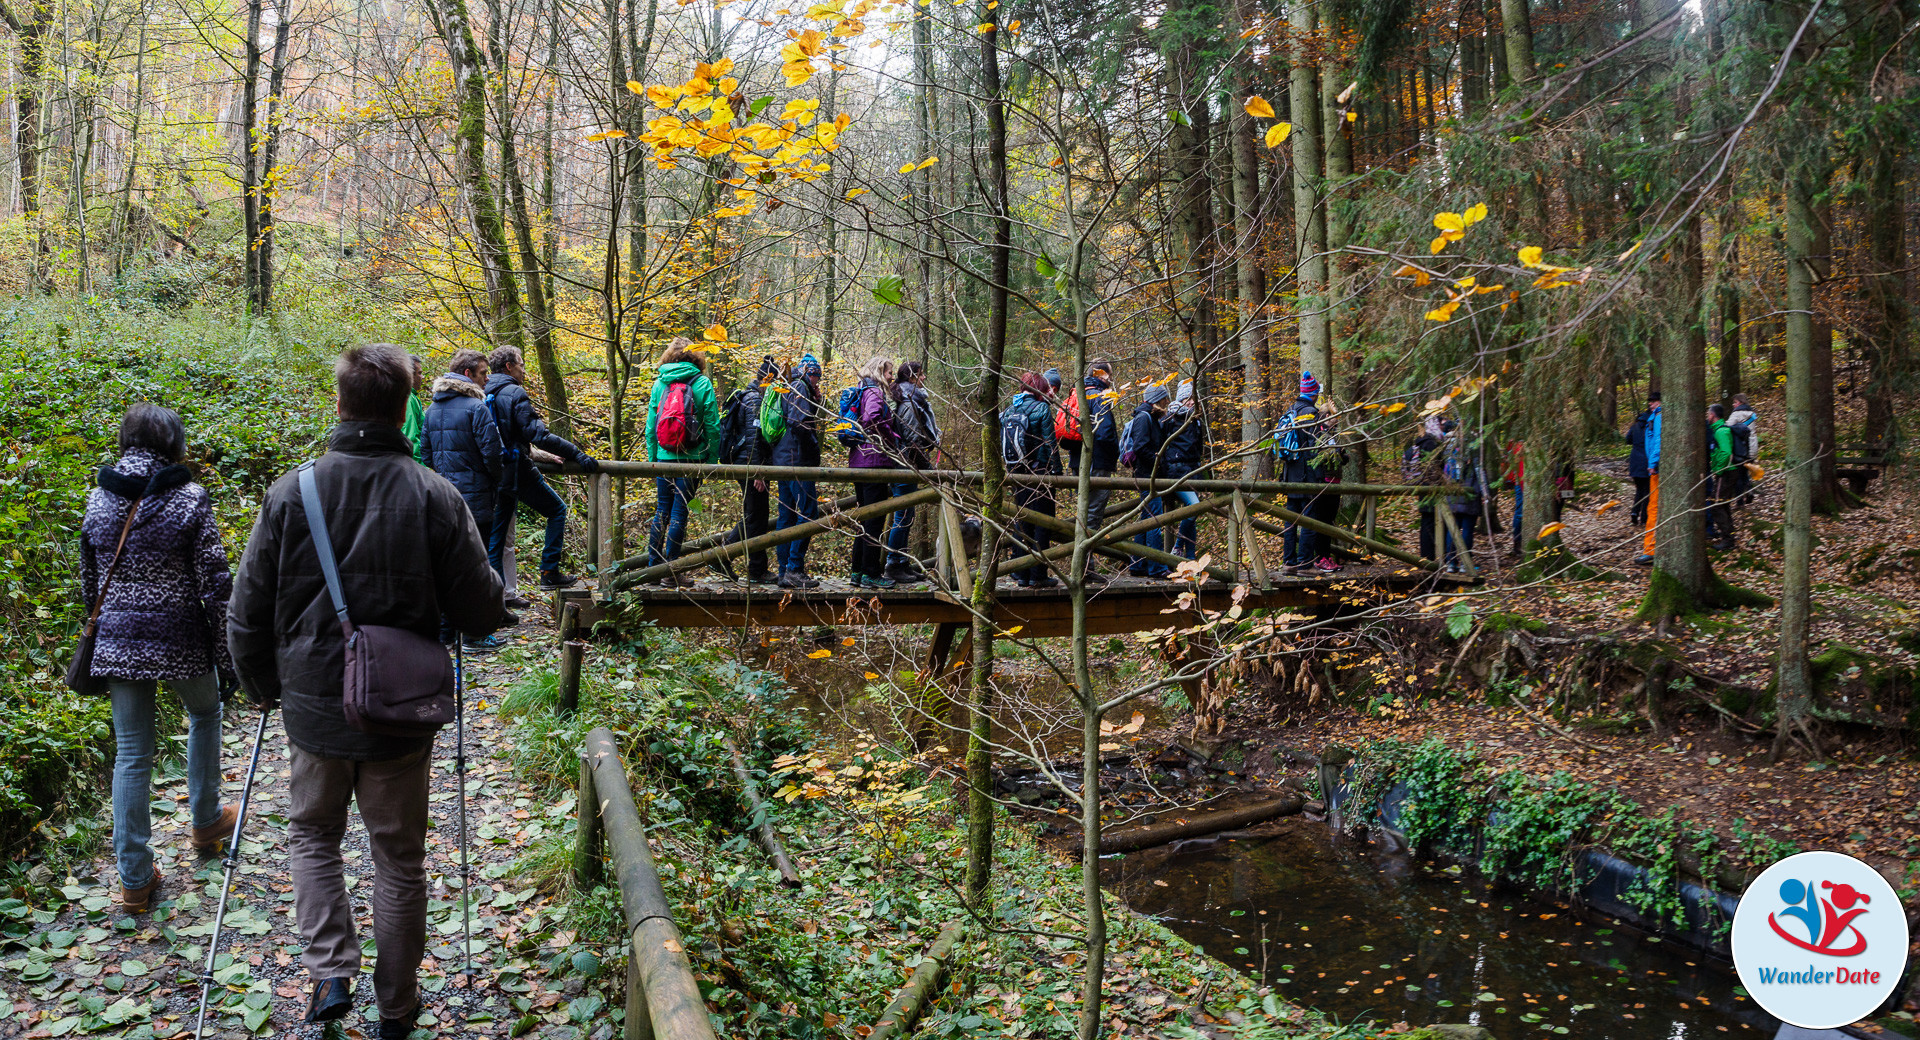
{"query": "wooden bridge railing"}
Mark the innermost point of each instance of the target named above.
(663, 998)
(1235, 501)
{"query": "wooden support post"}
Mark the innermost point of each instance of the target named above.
(942, 569)
(1452, 530)
(570, 621)
(573, 654)
(593, 527)
(1372, 513)
(1234, 525)
(603, 541)
(1242, 521)
(956, 547)
(639, 1014)
(587, 870)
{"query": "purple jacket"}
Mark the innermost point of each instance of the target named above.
(166, 612)
(876, 418)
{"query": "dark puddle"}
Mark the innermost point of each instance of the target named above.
(1354, 931)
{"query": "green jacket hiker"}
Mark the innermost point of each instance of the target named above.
(416, 421)
(1719, 447)
(701, 403)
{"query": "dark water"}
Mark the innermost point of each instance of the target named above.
(1356, 932)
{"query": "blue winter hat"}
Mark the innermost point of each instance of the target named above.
(1053, 378)
(808, 361)
(1309, 386)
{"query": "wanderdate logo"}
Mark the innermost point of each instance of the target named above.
(1831, 906)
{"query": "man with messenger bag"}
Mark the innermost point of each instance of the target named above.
(344, 640)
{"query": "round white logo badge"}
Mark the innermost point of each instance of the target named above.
(1819, 940)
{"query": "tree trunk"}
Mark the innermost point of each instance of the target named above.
(249, 163)
(1793, 674)
(1682, 580)
(980, 804)
(30, 26)
(1516, 26)
(270, 156)
(1885, 288)
(1250, 327)
(470, 159)
(1827, 496)
(1310, 223)
(539, 308)
(830, 280)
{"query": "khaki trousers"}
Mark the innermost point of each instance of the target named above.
(393, 805)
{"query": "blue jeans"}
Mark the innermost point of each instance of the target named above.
(1452, 550)
(1186, 537)
(134, 739)
(537, 496)
(1139, 566)
(901, 530)
(1519, 502)
(1301, 546)
(797, 506)
(669, 517)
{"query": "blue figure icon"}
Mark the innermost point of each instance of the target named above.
(1798, 895)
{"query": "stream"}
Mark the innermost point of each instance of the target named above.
(1351, 930)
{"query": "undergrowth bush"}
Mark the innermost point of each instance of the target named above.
(256, 397)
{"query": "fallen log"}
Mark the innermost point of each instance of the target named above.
(1150, 834)
(765, 832)
(921, 986)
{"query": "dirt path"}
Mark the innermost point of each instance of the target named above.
(90, 970)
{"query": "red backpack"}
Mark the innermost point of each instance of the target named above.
(675, 428)
(1066, 421)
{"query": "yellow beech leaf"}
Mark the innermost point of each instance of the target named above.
(1449, 222)
(1258, 107)
(1351, 116)
(1277, 133)
(854, 193)
(716, 333)
(1013, 26)
(1551, 529)
(1530, 256)
(1465, 283)
(1397, 406)
(1482, 290)
(908, 168)
(986, 26)
(1614, 503)
(872, 676)
(1630, 250)
(634, 86)
(1474, 214)
(1444, 312)
(819, 654)
(1406, 271)
(606, 135)
(847, 641)
(1439, 244)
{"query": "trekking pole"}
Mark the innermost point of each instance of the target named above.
(460, 774)
(226, 885)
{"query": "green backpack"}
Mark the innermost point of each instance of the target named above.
(773, 413)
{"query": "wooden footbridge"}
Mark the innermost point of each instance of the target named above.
(1248, 516)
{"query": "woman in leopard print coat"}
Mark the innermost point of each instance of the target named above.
(164, 615)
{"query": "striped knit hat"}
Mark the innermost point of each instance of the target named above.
(1309, 386)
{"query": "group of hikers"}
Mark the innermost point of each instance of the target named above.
(783, 419)
(1442, 453)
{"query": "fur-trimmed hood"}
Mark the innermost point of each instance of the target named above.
(452, 384)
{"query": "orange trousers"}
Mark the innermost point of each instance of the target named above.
(1653, 514)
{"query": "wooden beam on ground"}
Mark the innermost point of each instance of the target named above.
(769, 840)
(921, 988)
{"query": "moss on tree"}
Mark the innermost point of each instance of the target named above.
(1667, 597)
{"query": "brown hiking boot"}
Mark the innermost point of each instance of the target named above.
(206, 840)
(139, 900)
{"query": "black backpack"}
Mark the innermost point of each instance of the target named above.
(1742, 443)
(1020, 438)
(742, 421)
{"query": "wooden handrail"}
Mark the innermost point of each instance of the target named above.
(663, 998)
(952, 477)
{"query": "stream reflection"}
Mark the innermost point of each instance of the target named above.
(1352, 930)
